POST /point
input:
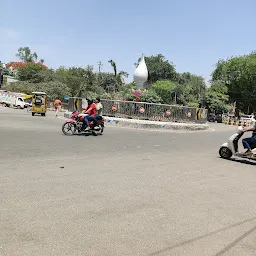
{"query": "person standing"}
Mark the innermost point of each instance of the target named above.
(57, 105)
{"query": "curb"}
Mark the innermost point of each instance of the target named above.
(144, 124)
(238, 123)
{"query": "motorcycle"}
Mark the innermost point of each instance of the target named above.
(74, 125)
(230, 148)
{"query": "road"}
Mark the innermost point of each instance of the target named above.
(128, 192)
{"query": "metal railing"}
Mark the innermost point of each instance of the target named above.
(153, 112)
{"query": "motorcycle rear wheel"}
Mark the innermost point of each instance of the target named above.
(98, 132)
(68, 129)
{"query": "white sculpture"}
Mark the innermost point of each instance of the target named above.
(140, 75)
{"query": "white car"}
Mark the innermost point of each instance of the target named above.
(247, 118)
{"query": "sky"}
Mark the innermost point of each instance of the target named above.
(192, 34)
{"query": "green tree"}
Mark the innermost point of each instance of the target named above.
(25, 55)
(73, 77)
(217, 98)
(108, 82)
(193, 89)
(239, 75)
(30, 72)
(55, 89)
(165, 90)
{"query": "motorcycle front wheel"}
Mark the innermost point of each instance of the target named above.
(68, 129)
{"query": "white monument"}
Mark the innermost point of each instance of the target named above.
(140, 75)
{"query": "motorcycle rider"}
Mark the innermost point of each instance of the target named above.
(91, 111)
(247, 142)
(99, 106)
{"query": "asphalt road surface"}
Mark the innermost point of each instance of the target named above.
(128, 192)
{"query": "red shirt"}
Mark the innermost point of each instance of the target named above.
(93, 111)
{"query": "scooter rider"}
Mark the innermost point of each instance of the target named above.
(91, 111)
(247, 142)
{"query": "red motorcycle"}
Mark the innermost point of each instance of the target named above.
(74, 125)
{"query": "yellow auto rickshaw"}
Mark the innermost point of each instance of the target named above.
(39, 103)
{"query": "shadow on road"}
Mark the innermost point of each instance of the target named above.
(242, 161)
(210, 234)
(83, 134)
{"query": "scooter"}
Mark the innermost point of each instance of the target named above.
(230, 148)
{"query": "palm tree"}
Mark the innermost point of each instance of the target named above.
(121, 76)
(113, 64)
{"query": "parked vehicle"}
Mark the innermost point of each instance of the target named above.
(218, 118)
(247, 118)
(215, 118)
(12, 99)
(74, 125)
(211, 117)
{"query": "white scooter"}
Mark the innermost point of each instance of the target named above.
(230, 148)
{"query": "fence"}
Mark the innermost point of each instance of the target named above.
(152, 111)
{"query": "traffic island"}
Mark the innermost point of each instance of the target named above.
(145, 124)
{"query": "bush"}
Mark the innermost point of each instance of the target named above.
(165, 90)
(151, 96)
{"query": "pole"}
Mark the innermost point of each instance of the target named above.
(1, 72)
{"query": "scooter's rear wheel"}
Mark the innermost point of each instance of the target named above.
(225, 153)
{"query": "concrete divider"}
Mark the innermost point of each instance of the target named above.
(144, 124)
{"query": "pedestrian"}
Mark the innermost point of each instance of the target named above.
(57, 105)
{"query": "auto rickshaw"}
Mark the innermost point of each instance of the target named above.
(39, 103)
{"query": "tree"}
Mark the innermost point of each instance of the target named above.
(25, 55)
(193, 88)
(30, 73)
(120, 77)
(217, 98)
(55, 89)
(239, 75)
(73, 77)
(108, 82)
(113, 64)
(165, 90)
(159, 69)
